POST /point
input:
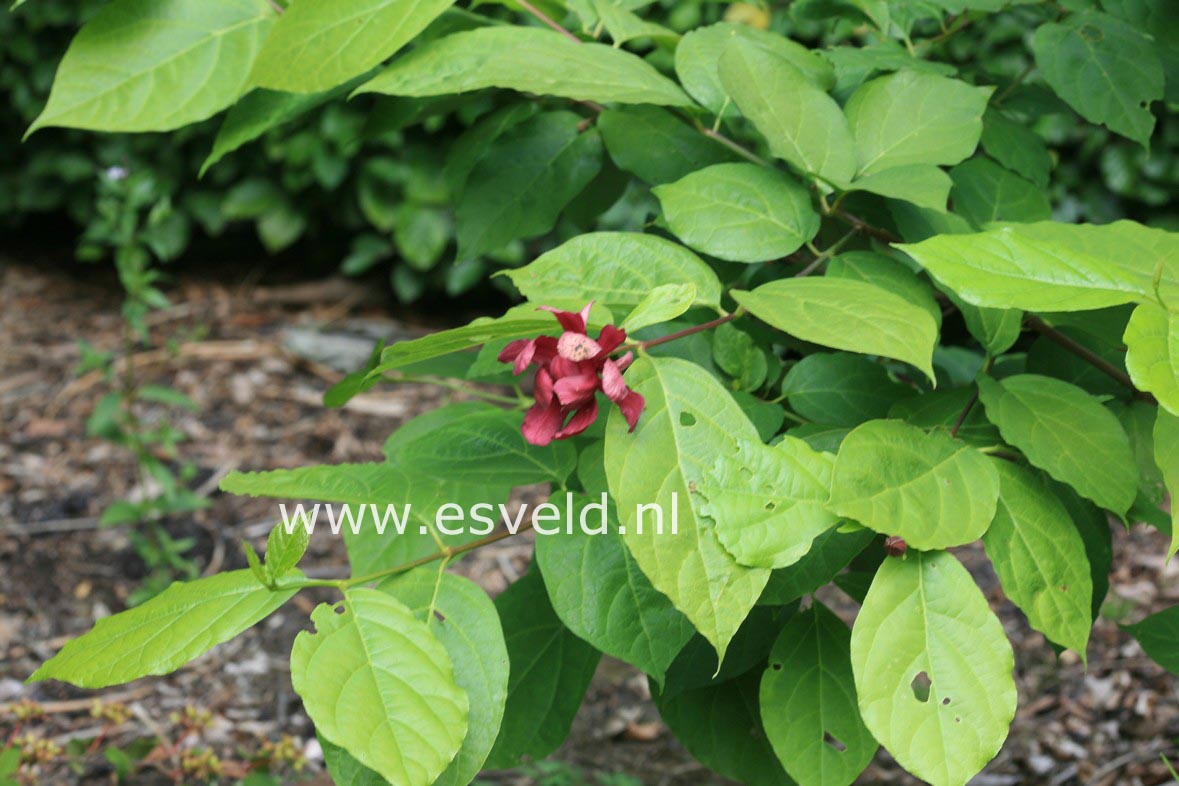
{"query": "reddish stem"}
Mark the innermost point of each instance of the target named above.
(689, 331)
(546, 19)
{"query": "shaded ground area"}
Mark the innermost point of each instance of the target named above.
(256, 359)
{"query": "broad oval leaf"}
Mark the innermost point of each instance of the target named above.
(599, 592)
(143, 65)
(720, 725)
(1067, 433)
(985, 192)
(840, 389)
(915, 118)
(928, 488)
(657, 146)
(689, 422)
(483, 441)
(465, 620)
(314, 47)
(1158, 634)
(550, 671)
(852, 315)
(739, 212)
(1166, 456)
(1040, 557)
(1152, 353)
(523, 180)
(158, 637)
(1049, 266)
(924, 617)
(507, 56)
(697, 59)
(1104, 68)
(808, 702)
(662, 304)
(285, 546)
(768, 503)
(377, 683)
(802, 124)
(614, 268)
(924, 185)
(1016, 146)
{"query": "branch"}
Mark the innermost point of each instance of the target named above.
(546, 19)
(689, 331)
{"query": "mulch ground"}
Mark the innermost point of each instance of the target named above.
(256, 358)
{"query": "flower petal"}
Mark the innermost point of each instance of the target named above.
(576, 390)
(612, 384)
(577, 346)
(524, 357)
(570, 321)
(512, 350)
(581, 420)
(632, 406)
(611, 338)
(541, 423)
(543, 387)
(624, 362)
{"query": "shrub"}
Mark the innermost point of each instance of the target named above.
(848, 339)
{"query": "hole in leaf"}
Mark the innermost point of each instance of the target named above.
(339, 608)
(833, 741)
(441, 617)
(957, 720)
(771, 505)
(776, 666)
(1064, 588)
(946, 702)
(920, 687)
(687, 419)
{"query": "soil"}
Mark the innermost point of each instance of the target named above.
(255, 355)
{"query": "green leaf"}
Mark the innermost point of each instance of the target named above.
(158, 637)
(461, 616)
(915, 118)
(689, 422)
(808, 703)
(1152, 353)
(720, 725)
(768, 503)
(830, 553)
(618, 269)
(736, 354)
(840, 389)
(508, 56)
(523, 180)
(1158, 634)
(445, 342)
(698, 55)
(1166, 455)
(550, 671)
(846, 314)
(255, 564)
(1104, 68)
(925, 616)
(996, 329)
(346, 770)
(481, 439)
(924, 185)
(929, 489)
(1016, 147)
(1040, 558)
(854, 64)
(984, 192)
(314, 47)
(622, 25)
(653, 144)
(284, 549)
(599, 592)
(942, 408)
(259, 112)
(1049, 266)
(739, 212)
(1067, 433)
(141, 65)
(887, 273)
(662, 304)
(376, 682)
(802, 124)
(378, 498)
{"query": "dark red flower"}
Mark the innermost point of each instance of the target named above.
(571, 370)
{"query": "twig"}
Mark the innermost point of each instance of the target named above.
(965, 413)
(546, 19)
(689, 331)
(863, 227)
